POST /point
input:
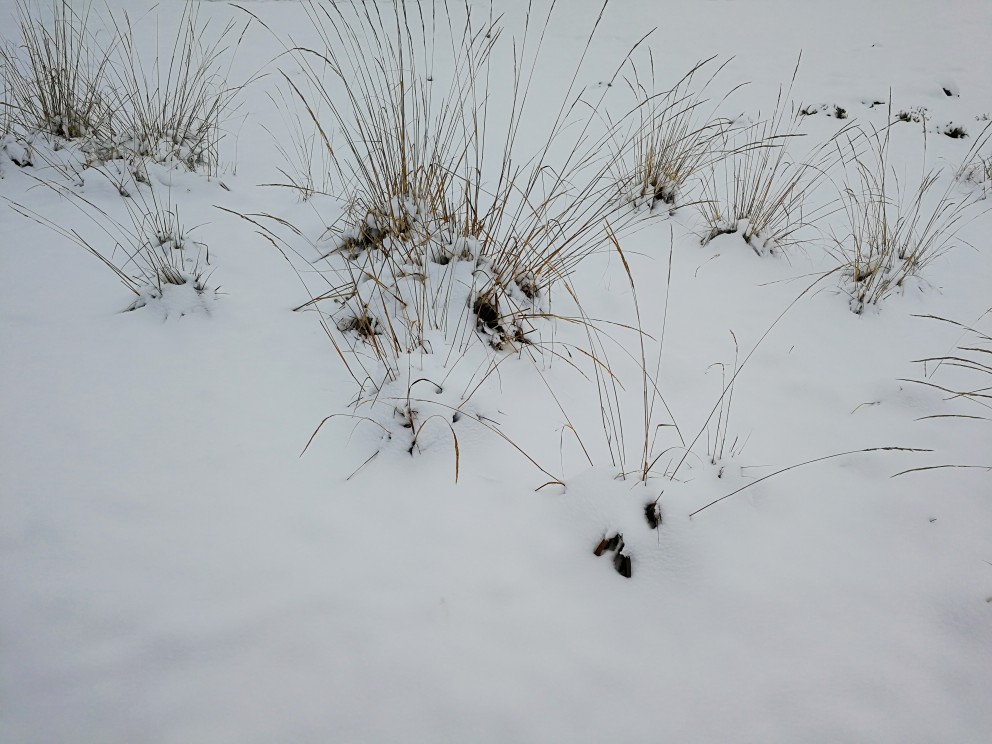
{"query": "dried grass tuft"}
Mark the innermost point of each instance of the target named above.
(55, 80)
(894, 231)
(760, 191)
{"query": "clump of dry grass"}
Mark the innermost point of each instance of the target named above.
(148, 253)
(759, 190)
(412, 165)
(976, 166)
(172, 108)
(55, 80)
(678, 138)
(111, 96)
(407, 151)
(456, 227)
(405, 137)
(894, 231)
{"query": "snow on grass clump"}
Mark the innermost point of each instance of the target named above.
(761, 191)
(151, 254)
(895, 231)
(976, 166)
(679, 136)
(67, 83)
(441, 244)
(55, 78)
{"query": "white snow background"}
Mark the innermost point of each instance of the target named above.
(172, 570)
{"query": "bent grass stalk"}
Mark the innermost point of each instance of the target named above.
(804, 464)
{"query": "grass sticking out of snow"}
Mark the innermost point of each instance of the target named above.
(55, 78)
(427, 260)
(679, 137)
(175, 105)
(895, 231)
(149, 254)
(515, 380)
(760, 191)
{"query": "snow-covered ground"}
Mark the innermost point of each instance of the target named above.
(172, 570)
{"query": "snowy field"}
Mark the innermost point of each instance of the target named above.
(173, 570)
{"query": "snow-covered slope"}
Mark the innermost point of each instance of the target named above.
(173, 570)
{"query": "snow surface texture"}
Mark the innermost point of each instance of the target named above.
(173, 571)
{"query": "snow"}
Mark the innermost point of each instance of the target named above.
(173, 570)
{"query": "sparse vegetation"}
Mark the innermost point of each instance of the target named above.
(761, 191)
(963, 375)
(148, 254)
(57, 86)
(895, 231)
(976, 166)
(915, 115)
(173, 106)
(972, 353)
(520, 305)
(449, 235)
(439, 242)
(679, 136)
(112, 98)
